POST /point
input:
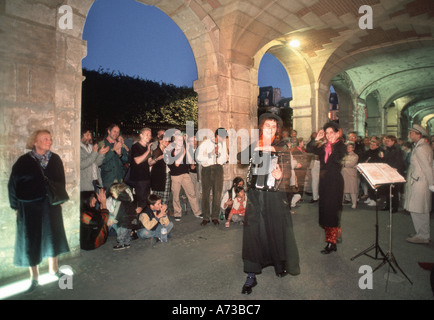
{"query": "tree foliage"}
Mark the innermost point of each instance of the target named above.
(109, 97)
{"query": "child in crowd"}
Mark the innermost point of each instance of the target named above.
(122, 214)
(153, 219)
(238, 207)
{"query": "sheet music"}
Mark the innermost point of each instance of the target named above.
(380, 173)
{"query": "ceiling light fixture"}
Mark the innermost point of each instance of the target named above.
(294, 43)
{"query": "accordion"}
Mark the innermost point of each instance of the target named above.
(262, 164)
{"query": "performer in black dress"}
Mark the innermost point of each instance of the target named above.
(331, 183)
(40, 231)
(268, 237)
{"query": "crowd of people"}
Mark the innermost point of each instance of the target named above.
(141, 182)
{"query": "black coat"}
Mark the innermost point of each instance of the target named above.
(331, 185)
(158, 172)
(40, 230)
(268, 236)
(393, 156)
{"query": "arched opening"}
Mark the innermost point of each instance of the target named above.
(138, 63)
(275, 92)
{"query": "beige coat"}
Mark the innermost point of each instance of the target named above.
(350, 174)
(419, 178)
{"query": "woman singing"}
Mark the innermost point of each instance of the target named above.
(268, 237)
(331, 183)
(40, 230)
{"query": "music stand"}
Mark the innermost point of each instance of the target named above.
(378, 174)
(390, 258)
(376, 245)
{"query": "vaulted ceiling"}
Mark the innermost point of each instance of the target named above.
(393, 59)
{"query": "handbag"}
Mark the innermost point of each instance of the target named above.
(56, 190)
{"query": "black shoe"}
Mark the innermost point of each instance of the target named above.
(216, 222)
(313, 201)
(134, 235)
(247, 287)
(282, 274)
(330, 247)
(204, 222)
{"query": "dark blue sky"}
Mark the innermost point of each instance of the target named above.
(140, 40)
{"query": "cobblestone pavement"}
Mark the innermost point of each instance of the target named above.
(204, 263)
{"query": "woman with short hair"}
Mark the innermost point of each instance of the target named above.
(40, 231)
(331, 183)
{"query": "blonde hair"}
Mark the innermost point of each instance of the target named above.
(117, 188)
(32, 139)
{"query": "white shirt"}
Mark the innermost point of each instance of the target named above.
(205, 153)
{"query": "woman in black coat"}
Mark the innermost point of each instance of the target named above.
(40, 231)
(331, 183)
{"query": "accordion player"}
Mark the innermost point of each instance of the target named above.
(261, 166)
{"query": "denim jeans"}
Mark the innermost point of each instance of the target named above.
(123, 235)
(145, 233)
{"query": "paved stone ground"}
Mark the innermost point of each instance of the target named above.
(204, 263)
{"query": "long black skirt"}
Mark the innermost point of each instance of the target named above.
(40, 233)
(268, 236)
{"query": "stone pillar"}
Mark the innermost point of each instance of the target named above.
(40, 88)
(229, 100)
(359, 116)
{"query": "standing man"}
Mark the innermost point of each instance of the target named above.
(419, 178)
(359, 148)
(212, 155)
(393, 157)
(179, 168)
(90, 160)
(113, 167)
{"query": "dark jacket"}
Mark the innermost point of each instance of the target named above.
(331, 185)
(113, 167)
(27, 184)
(371, 156)
(126, 215)
(158, 172)
(394, 158)
(40, 232)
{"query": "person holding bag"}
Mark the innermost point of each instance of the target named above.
(40, 230)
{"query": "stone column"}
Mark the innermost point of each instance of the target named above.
(229, 100)
(359, 115)
(40, 88)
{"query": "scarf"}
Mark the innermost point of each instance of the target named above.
(43, 159)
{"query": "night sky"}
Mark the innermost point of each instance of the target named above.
(140, 40)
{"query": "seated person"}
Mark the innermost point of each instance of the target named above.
(153, 219)
(227, 202)
(238, 208)
(93, 226)
(122, 214)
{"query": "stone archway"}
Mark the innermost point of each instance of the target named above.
(302, 82)
(41, 88)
